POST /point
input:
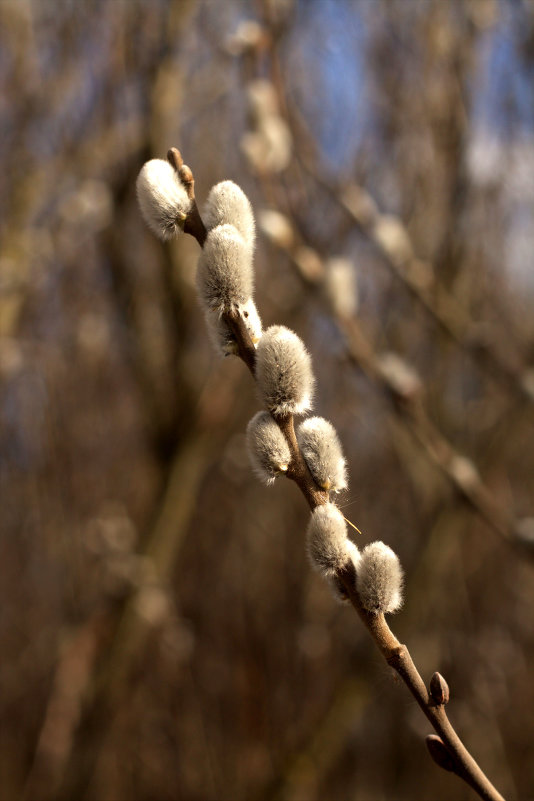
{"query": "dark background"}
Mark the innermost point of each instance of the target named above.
(162, 633)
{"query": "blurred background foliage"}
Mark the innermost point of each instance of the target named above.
(162, 633)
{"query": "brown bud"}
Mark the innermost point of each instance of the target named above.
(439, 689)
(185, 174)
(440, 753)
(174, 157)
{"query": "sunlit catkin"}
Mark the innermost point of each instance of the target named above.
(329, 548)
(227, 203)
(162, 198)
(284, 372)
(267, 447)
(379, 579)
(322, 453)
(224, 273)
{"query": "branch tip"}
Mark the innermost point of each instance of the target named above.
(174, 157)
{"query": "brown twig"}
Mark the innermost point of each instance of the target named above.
(446, 749)
(398, 657)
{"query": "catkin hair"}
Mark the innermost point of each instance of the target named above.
(224, 273)
(267, 447)
(379, 579)
(284, 372)
(322, 452)
(162, 198)
(227, 203)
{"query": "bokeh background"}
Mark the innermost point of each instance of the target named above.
(162, 633)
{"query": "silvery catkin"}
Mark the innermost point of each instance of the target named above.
(322, 452)
(227, 203)
(284, 372)
(329, 548)
(379, 579)
(224, 273)
(162, 198)
(267, 447)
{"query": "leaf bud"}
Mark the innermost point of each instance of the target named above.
(440, 753)
(439, 689)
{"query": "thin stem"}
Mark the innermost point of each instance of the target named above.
(399, 658)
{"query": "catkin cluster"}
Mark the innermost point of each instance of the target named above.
(284, 375)
(225, 276)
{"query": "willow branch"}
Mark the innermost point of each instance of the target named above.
(446, 749)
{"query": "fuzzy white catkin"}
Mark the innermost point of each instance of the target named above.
(221, 334)
(228, 204)
(283, 371)
(267, 447)
(379, 579)
(162, 198)
(224, 273)
(321, 449)
(329, 548)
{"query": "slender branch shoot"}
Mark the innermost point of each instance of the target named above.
(370, 581)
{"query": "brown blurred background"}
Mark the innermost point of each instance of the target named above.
(162, 634)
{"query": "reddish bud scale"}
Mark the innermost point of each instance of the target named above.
(439, 689)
